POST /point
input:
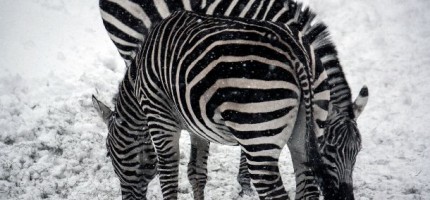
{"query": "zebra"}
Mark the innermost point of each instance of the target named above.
(164, 117)
(298, 67)
(121, 17)
(129, 145)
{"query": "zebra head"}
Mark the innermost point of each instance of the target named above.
(342, 142)
(135, 167)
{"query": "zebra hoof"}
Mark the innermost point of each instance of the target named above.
(246, 191)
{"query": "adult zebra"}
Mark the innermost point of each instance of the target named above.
(231, 126)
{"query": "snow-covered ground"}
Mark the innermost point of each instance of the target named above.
(55, 53)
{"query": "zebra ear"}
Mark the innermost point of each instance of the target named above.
(104, 111)
(360, 102)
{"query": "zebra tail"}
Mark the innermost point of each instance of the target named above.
(315, 162)
(316, 34)
(311, 145)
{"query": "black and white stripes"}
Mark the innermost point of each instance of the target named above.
(129, 23)
(229, 81)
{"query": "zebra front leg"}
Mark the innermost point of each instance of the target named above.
(166, 144)
(243, 177)
(197, 166)
(306, 188)
(264, 172)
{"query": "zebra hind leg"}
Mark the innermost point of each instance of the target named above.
(243, 177)
(197, 169)
(197, 166)
(306, 188)
(264, 172)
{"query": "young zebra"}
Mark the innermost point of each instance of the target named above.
(176, 94)
(128, 23)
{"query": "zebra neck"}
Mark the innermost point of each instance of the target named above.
(340, 93)
(129, 115)
(126, 90)
(315, 33)
(325, 52)
(340, 106)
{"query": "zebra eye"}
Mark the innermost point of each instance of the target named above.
(330, 139)
(111, 119)
(108, 146)
(336, 110)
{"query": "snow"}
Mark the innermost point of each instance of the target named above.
(55, 54)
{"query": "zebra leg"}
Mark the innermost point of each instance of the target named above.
(243, 177)
(197, 166)
(306, 188)
(166, 144)
(264, 172)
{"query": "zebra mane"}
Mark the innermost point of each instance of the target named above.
(316, 33)
(306, 21)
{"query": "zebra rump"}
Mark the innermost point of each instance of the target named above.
(208, 75)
